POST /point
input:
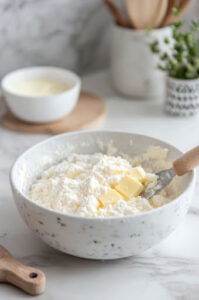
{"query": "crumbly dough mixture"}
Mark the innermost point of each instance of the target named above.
(75, 185)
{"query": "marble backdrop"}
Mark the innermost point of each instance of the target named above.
(66, 33)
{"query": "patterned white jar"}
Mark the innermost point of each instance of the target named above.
(182, 96)
(134, 70)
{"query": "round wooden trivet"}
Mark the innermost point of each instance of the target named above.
(89, 111)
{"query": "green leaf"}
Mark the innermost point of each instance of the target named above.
(161, 67)
(154, 46)
(164, 56)
(195, 25)
(175, 11)
(166, 40)
(178, 24)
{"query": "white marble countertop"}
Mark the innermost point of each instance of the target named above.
(168, 271)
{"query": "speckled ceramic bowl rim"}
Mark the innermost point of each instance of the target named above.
(4, 84)
(51, 211)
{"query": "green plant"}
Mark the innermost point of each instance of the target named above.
(182, 59)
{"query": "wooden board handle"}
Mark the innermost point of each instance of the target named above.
(187, 162)
(29, 279)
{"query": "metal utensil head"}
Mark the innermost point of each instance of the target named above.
(164, 178)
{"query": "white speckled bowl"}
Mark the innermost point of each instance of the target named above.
(96, 238)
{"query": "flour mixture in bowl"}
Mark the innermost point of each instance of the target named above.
(101, 185)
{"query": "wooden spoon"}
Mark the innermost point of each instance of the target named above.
(116, 13)
(171, 5)
(29, 279)
(146, 13)
(170, 17)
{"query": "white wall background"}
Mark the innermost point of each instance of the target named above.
(66, 33)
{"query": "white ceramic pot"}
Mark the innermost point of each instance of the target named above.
(45, 108)
(182, 97)
(101, 237)
(133, 66)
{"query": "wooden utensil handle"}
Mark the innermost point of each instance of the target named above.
(171, 18)
(29, 279)
(187, 162)
(119, 18)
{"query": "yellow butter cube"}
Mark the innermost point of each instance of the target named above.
(129, 187)
(119, 172)
(138, 173)
(110, 197)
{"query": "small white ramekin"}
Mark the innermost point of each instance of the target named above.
(41, 109)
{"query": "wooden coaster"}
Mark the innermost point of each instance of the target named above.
(89, 111)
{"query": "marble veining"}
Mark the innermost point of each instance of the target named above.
(169, 271)
(66, 33)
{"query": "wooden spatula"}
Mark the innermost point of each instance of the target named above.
(181, 166)
(145, 13)
(171, 5)
(29, 279)
(170, 17)
(116, 13)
